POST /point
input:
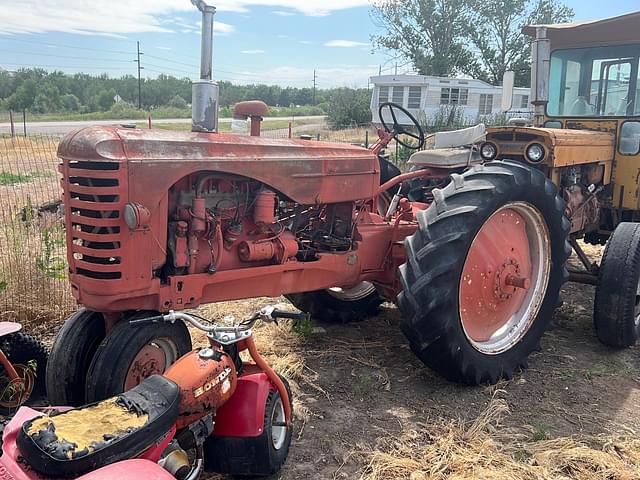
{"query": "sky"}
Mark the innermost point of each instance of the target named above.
(256, 41)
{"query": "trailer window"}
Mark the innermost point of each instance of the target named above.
(594, 82)
(415, 97)
(486, 104)
(383, 95)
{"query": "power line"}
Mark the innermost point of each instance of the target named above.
(65, 46)
(65, 56)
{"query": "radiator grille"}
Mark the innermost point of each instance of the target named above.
(93, 202)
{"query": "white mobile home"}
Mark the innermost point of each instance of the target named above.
(425, 96)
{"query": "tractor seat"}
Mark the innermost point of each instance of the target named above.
(448, 158)
(460, 138)
(452, 149)
(84, 439)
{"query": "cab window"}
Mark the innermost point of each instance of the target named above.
(630, 138)
(594, 82)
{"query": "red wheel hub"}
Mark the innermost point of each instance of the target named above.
(151, 360)
(496, 276)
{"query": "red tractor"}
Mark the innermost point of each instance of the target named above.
(159, 221)
(472, 252)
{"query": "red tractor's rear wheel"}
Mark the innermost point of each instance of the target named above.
(484, 271)
(129, 354)
(339, 305)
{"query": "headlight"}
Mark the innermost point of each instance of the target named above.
(136, 216)
(535, 153)
(488, 151)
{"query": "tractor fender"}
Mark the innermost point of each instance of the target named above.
(130, 469)
(243, 414)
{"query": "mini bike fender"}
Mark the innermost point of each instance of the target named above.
(130, 469)
(243, 414)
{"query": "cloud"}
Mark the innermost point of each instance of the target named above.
(283, 13)
(305, 42)
(118, 17)
(345, 44)
(252, 52)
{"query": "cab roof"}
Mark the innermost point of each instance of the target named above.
(623, 29)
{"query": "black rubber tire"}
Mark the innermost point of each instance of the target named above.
(21, 349)
(436, 255)
(321, 305)
(253, 456)
(71, 355)
(111, 362)
(617, 300)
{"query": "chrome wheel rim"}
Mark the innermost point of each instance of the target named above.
(513, 243)
(359, 292)
(278, 430)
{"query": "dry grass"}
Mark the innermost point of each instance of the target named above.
(33, 285)
(483, 450)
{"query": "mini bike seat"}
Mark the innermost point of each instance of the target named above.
(87, 438)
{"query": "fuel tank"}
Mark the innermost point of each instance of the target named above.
(207, 378)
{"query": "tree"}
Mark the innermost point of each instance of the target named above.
(106, 99)
(479, 38)
(24, 96)
(70, 102)
(495, 32)
(348, 107)
(177, 102)
(428, 33)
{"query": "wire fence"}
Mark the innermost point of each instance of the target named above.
(34, 286)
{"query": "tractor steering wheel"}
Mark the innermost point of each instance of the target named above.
(398, 129)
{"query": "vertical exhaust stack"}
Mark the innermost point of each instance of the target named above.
(205, 92)
(540, 65)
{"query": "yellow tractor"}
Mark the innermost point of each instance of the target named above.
(586, 139)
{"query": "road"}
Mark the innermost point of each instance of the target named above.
(61, 128)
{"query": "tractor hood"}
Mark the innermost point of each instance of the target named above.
(562, 147)
(305, 171)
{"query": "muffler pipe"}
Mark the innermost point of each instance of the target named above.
(205, 92)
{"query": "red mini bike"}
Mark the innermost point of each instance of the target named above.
(210, 410)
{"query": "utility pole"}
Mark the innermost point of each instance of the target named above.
(140, 67)
(396, 68)
(315, 85)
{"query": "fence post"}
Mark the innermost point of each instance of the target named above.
(290, 130)
(13, 127)
(149, 122)
(366, 139)
(24, 121)
(318, 137)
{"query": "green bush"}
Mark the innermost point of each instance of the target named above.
(348, 107)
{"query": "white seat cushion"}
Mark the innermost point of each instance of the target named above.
(444, 158)
(460, 138)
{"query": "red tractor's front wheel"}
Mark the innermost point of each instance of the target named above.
(484, 271)
(129, 354)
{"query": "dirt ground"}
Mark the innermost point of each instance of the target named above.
(358, 387)
(360, 383)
